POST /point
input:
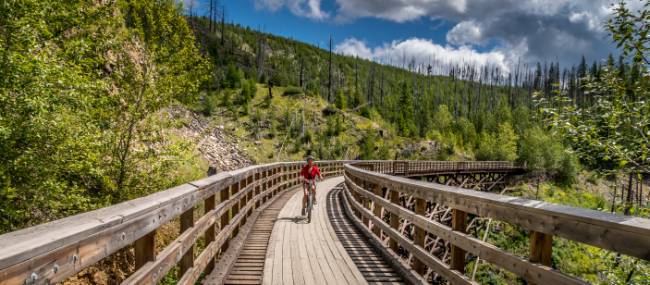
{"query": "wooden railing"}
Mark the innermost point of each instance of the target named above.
(52, 252)
(367, 182)
(419, 168)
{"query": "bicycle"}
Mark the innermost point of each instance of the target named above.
(311, 185)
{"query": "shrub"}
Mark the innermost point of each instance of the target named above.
(292, 91)
(502, 146)
(209, 105)
(341, 101)
(233, 77)
(329, 111)
(365, 112)
(542, 152)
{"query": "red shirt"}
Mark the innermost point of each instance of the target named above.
(315, 172)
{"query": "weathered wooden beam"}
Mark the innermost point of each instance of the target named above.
(209, 235)
(437, 265)
(225, 218)
(187, 261)
(145, 249)
(541, 248)
(376, 209)
(624, 234)
(167, 259)
(418, 237)
(532, 272)
(459, 224)
(394, 219)
(234, 188)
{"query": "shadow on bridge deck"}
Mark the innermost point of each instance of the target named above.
(301, 253)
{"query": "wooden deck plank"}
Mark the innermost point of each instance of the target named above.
(312, 251)
(345, 273)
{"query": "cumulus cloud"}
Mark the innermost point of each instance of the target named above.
(535, 30)
(421, 51)
(466, 32)
(303, 8)
(547, 27)
(354, 47)
(397, 10)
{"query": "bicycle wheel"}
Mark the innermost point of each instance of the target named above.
(310, 205)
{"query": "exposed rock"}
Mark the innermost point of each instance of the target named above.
(216, 145)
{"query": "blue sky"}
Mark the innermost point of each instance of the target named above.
(498, 32)
(371, 30)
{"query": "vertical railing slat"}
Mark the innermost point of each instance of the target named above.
(187, 261)
(394, 219)
(418, 239)
(209, 235)
(458, 223)
(145, 249)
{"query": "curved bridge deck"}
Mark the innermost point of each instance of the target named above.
(308, 253)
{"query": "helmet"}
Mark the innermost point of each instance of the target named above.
(309, 157)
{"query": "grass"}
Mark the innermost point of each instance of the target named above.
(271, 129)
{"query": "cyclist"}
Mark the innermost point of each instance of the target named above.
(309, 173)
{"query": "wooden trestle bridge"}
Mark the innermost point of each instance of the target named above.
(375, 222)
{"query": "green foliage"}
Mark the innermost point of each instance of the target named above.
(543, 152)
(78, 92)
(248, 91)
(372, 147)
(292, 91)
(502, 146)
(466, 132)
(442, 118)
(629, 31)
(612, 133)
(341, 101)
(234, 77)
(406, 119)
(335, 126)
(210, 103)
(356, 98)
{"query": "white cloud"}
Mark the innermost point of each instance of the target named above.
(540, 30)
(422, 51)
(540, 24)
(354, 47)
(303, 8)
(466, 32)
(397, 10)
(593, 22)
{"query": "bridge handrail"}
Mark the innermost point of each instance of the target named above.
(623, 234)
(59, 249)
(51, 252)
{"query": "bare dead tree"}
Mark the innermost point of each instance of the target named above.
(329, 82)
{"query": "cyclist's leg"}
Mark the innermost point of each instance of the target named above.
(313, 191)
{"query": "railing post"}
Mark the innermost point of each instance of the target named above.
(209, 235)
(394, 219)
(376, 209)
(224, 195)
(541, 248)
(274, 181)
(366, 204)
(418, 238)
(249, 197)
(284, 177)
(458, 223)
(145, 249)
(243, 200)
(235, 207)
(187, 261)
